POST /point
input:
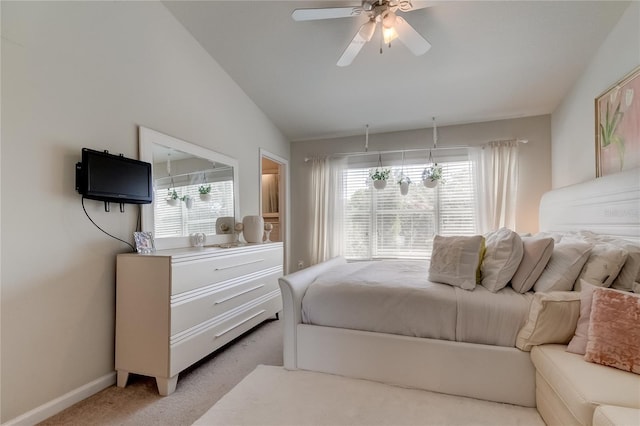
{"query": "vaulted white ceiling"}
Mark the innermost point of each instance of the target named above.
(488, 61)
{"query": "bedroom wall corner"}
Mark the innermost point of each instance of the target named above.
(573, 121)
(86, 74)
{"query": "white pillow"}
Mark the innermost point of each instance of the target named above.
(630, 272)
(537, 252)
(563, 268)
(552, 319)
(456, 260)
(603, 265)
(501, 259)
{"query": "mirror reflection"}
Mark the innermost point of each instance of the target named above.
(195, 191)
(190, 193)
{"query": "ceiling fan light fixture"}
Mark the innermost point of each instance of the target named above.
(388, 19)
(389, 34)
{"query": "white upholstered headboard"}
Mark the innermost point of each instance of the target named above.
(608, 205)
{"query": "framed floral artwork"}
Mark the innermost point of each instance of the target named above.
(618, 126)
(144, 242)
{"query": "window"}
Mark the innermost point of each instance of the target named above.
(201, 217)
(386, 224)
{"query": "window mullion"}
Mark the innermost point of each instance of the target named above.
(373, 225)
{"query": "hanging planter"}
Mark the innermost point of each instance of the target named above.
(205, 192)
(404, 183)
(432, 175)
(172, 198)
(188, 201)
(380, 175)
(379, 184)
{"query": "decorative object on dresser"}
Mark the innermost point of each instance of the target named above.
(253, 228)
(268, 227)
(174, 307)
(144, 242)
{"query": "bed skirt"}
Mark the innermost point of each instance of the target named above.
(492, 373)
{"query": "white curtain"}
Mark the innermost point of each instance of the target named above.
(496, 184)
(326, 204)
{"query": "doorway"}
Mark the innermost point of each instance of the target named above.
(274, 199)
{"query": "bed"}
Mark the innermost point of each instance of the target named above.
(606, 206)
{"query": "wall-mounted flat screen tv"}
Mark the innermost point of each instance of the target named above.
(113, 178)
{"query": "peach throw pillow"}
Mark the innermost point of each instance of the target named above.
(614, 330)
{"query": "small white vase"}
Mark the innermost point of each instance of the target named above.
(188, 202)
(253, 228)
(379, 184)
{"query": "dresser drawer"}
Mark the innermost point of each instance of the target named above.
(191, 308)
(196, 343)
(193, 274)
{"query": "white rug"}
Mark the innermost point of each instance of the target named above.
(275, 396)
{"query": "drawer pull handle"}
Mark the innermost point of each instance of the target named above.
(240, 323)
(220, 268)
(233, 296)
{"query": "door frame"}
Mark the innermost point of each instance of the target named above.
(283, 198)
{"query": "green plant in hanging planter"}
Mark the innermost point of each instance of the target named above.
(404, 182)
(380, 174)
(204, 189)
(205, 192)
(188, 201)
(432, 175)
(380, 177)
(403, 179)
(172, 197)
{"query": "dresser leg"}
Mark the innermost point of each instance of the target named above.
(166, 386)
(123, 376)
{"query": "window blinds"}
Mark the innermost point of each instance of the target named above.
(201, 217)
(386, 224)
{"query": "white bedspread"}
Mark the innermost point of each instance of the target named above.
(396, 297)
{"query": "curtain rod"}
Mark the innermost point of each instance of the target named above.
(353, 154)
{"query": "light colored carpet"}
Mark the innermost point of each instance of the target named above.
(199, 387)
(274, 396)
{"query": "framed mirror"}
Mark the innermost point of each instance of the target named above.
(195, 190)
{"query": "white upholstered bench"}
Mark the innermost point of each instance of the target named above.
(570, 389)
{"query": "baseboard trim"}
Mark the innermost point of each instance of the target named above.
(54, 406)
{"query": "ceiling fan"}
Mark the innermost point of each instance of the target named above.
(381, 12)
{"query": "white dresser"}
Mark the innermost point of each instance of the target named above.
(174, 307)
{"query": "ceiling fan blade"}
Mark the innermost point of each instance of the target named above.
(325, 13)
(363, 35)
(410, 37)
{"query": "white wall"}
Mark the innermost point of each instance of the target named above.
(534, 171)
(573, 122)
(86, 74)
